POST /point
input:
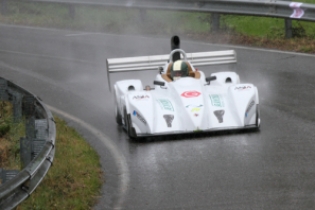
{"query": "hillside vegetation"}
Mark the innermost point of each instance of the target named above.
(234, 29)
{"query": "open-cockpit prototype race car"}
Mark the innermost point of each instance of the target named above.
(184, 99)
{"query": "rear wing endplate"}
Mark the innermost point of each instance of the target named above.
(142, 63)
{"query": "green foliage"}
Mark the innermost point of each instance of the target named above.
(4, 129)
(5, 118)
(298, 31)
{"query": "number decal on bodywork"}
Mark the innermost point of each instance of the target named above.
(168, 119)
(251, 104)
(139, 117)
(216, 100)
(166, 104)
(219, 114)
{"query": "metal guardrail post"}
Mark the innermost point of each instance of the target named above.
(25, 151)
(17, 107)
(30, 147)
(215, 22)
(143, 15)
(288, 28)
(3, 90)
(30, 127)
(4, 7)
(16, 98)
(37, 146)
(41, 134)
(41, 129)
(71, 8)
(26, 147)
(29, 110)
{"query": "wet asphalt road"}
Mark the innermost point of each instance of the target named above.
(270, 169)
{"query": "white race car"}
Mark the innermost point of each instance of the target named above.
(183, 99)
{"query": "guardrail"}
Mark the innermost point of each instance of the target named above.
(37, 148)
(266, 8)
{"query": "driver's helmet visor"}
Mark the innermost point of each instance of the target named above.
(179, 69)
(180, 73)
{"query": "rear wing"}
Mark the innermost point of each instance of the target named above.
(142, 63)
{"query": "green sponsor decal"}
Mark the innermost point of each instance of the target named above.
(216, 100)
(166, 104)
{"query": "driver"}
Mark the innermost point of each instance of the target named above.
(179, 69)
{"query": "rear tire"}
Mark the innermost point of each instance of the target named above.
(257, 117)
(128, 125)
(118, 116)
(125, 119)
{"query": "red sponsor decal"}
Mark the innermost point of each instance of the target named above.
(190, 94)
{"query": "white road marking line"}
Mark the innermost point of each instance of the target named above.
(119, 158)
(83, 34)
(44, 56)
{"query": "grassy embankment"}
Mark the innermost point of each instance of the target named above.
(74, 180)
(242, 30)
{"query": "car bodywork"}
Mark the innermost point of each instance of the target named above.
(191, 104)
